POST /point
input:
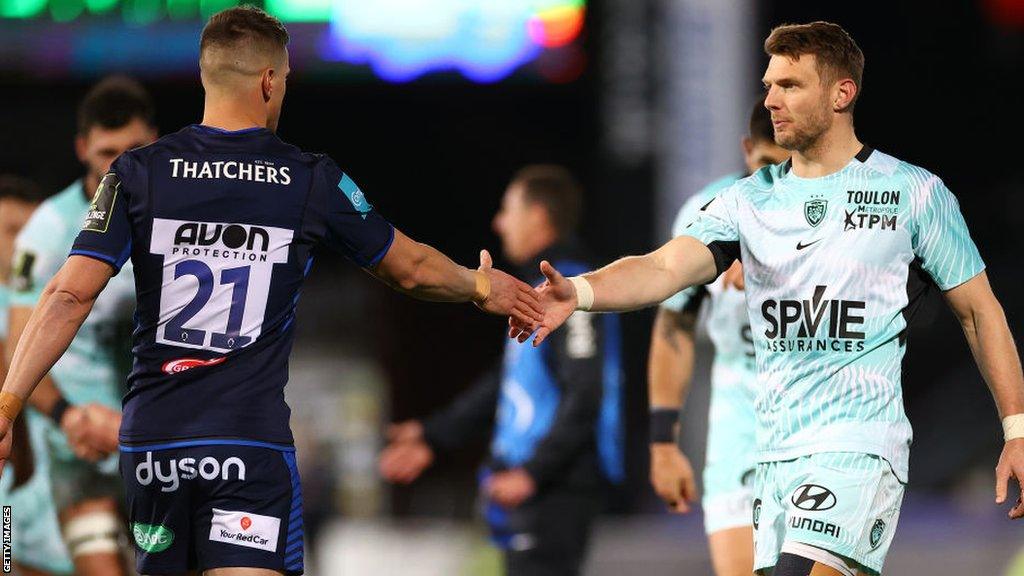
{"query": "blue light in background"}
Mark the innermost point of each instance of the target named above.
(404, 39)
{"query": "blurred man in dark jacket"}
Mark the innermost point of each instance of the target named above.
(554, 410)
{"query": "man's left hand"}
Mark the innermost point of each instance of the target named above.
(511, 487)
(1011, 465)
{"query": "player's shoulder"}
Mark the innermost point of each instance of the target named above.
(723, 183)
(918, 181)
(46, 227)
(762, 180)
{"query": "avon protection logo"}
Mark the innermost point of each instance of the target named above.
(152, 538)
(226, 241)
(170, 473)
(814, 325)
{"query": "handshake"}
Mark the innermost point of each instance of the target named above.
(91, 430)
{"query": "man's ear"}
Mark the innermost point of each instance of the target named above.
(80, 147)
(748, 145)
(267, 84)
(844, 94)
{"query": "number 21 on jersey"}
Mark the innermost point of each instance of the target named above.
(216, 281)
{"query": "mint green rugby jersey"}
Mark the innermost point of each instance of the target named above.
(731, 417)
(726, 320)
(833, 268)
(95, 366)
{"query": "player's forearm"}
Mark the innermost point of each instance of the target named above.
(996, 354)
(46, 337)
(670, 361)
(423, 272)
(46, 395)
(640, 281)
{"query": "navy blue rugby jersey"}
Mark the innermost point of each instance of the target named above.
(221, 228)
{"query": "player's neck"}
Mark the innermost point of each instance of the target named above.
(232, 115)
(829, 154)
(89, 185)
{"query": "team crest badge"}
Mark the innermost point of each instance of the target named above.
(876, 533)
(814, 211)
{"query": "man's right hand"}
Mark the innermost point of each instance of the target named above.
(558, 296)
(6, 441)
(91, 430)
(672, 477)
(407, 455)
(509, 296)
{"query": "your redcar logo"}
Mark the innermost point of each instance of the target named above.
(182, 364)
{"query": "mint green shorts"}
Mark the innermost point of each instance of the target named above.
(844, 502)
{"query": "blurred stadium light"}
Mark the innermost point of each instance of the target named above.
(400, 40)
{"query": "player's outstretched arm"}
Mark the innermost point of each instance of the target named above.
(627, 284)
(65, 303)
(988, 335)
(423, 272)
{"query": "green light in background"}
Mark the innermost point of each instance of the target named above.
(21, 8)
(300, 10)
(183, 9)
(210, 7)
(65, 10)
(100, 6)
(141, 12)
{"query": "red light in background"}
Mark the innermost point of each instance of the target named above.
(556, 27)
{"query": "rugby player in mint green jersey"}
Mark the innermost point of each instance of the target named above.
(81, 394)
(727, 496)
(838, 245)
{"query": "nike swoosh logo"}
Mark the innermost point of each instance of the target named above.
(801, 245)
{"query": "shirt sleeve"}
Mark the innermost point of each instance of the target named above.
(715, 225)
(350, 224)
(689, 298)
(469, 417)
(106, 234)
(941, 240)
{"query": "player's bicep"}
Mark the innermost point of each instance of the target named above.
(82, 278)
(401, 259)
(966, 299)
(688, 260)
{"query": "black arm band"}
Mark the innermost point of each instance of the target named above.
(59, 408)
(663, 425)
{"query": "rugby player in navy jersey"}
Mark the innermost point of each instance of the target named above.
(221, 221)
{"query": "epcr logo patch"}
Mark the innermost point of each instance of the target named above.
(813, 498)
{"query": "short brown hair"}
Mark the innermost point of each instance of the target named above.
(557, 190)
(114, 102)
(837, 55)
(23, 189)
(243, 26)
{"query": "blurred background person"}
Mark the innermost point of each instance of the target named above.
(727, 498)
(35, 549)
(554, 412)
(82, 393)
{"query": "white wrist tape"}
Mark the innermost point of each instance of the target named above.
(584, 293)
(1013, 427)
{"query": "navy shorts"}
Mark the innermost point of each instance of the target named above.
(203, 504)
